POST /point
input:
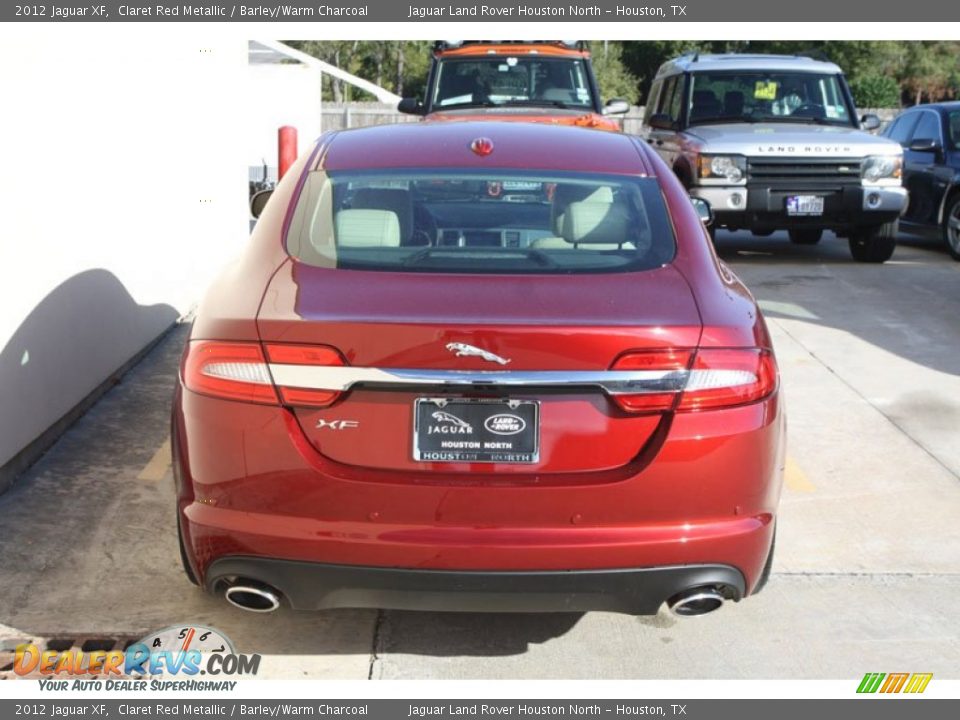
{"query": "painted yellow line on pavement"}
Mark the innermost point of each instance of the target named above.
(795, 478)
(156, 469)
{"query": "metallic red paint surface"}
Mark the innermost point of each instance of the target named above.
(516, 146)
(611, 491)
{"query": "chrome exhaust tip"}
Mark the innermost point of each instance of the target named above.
(696, 601)
(253, 598)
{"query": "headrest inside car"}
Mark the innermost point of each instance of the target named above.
(596, 222)
(367, 228)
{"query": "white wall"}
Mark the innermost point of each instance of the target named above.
(122, 178)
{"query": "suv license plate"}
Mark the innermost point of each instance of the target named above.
(476, 431)
(804, 205)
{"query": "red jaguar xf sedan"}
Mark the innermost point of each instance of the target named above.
(479, 366)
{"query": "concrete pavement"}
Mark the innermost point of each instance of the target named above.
(867, 572)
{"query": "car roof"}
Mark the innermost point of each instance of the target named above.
(946, 106)
(695, 62)
(516, 145)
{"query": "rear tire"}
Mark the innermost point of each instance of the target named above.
(874, 244)
(951, 226)
(805, 236)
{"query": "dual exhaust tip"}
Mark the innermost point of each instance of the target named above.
(696, 601)
(253, 596)
(261, 598)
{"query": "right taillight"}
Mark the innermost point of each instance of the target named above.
(698, 380)
(724, 378)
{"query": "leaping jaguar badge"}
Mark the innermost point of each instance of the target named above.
(464, 350)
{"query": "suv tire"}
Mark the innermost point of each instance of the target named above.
(951, 226)
(806, 236)
(874, 244)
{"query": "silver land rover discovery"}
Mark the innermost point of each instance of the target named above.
(773, 142)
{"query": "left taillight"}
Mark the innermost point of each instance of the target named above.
(309, 356)
(241, 371)
(235, 371)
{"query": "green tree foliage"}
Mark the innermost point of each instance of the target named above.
(401, 67)
(613, 77)
(875, 91)
(919, 71)
(922, 71)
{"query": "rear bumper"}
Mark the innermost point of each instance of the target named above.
(249, 485)
(316, 586)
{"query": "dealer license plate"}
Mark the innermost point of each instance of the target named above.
(804, 205)
(476, 431)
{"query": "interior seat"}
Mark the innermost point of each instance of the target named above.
(705, 105)
(367, 228)
(396, 200)
(596, 224)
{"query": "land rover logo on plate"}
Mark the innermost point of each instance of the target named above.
(505, 424)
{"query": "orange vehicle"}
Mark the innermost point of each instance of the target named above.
(542, 81)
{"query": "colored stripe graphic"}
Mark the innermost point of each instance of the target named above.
(870, 682)
(918, 682)
(894, 682)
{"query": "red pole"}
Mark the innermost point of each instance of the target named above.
(287, 143)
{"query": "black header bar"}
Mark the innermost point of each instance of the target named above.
(487, 11)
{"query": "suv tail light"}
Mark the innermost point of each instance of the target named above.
(241, 371)
(709, 378)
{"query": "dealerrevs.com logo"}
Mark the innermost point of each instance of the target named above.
(184, 651)
(894, 683)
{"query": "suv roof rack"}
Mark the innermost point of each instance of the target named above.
(451, 44)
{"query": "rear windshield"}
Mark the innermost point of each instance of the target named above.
(514, 222)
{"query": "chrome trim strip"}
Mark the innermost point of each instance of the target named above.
(614, 382)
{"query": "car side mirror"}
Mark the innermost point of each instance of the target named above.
(616, 106)
(410, 106)
(925, 145)
(869, 122)
(704, 211)
(259, 201)
(662, 121)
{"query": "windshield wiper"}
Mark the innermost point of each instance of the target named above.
(538, 103)
(725, 119)
(801, 120)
